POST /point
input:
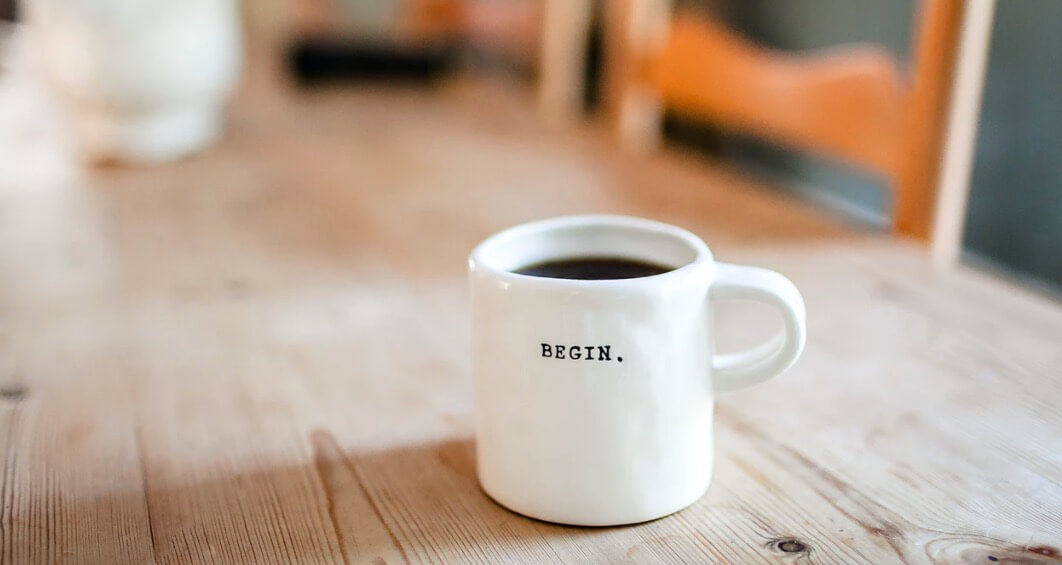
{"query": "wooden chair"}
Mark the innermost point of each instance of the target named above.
(855, 102)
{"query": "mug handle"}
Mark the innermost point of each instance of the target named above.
(734, 371)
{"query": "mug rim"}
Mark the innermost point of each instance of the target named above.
(702, 255)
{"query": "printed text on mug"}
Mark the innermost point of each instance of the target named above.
(579, 352)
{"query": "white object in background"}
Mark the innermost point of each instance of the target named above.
(35, 148)
(621, 432)
(143, 80)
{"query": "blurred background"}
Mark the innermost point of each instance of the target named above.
(595, 63)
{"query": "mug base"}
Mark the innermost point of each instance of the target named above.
(165, 134)
(588, 521)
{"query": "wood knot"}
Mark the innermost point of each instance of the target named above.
(13, 393)
(790, 545)
(1045, 550)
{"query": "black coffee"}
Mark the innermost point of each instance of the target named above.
(593, 268)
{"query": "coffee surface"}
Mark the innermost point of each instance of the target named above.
(593, 268)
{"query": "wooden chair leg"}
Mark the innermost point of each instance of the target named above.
(562, 58)
(934, 60)
(961, 136)
(634, 31)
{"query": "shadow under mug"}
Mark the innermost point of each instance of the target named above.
(622, 432)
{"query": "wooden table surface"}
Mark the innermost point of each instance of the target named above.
(260, 354)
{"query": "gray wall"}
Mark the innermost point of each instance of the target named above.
(1015, 214)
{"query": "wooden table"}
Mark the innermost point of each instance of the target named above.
(261, 354)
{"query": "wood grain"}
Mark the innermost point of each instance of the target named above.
(259, 354)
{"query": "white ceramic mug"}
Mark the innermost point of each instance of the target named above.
(143, 80)
(622, 432)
